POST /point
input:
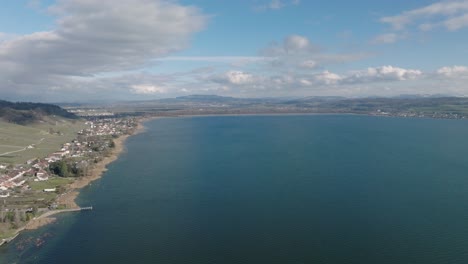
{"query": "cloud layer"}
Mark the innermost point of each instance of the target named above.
(451, 15)
(297, 52)
(95, 37)
(357, 83)
(102, 49)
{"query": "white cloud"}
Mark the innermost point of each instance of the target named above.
(383, 73)
(385, 38)
(309, 64)
(453, 71)
(7, 36)
(327, 78)
(295, 2)
(147, 89)
(234, 77)
(291, 81)
(276, 5)
(298, 52)
(238, 77)
(456, 23)
(95, 37)
(3, 36)
(292, 45)
(452, 15)
(383, 80)
(296, 43)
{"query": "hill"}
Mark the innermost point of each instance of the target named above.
(24, 113)
(413, 105)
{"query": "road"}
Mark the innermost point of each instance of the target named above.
(23, 149)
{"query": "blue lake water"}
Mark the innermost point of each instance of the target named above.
(272, 189)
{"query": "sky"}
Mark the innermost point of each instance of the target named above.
(113, 50)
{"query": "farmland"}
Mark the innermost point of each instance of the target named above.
(21, 143)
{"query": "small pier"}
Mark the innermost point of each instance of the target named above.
(47, 214)
(85, 208)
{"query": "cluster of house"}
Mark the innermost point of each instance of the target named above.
(72, 149)
(38, 168)
(419, 114)
(109, 126)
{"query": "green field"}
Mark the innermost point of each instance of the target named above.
(15, 139)
(49, 184)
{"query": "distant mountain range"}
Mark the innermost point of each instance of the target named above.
(409, 105)
(25, 113)
(210, 99)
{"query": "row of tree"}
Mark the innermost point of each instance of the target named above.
(16, 216)
(68, 168)
(72, 168)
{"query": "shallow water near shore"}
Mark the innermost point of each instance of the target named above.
(271, 189)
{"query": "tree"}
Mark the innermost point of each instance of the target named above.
(2, 214)
(60, 189)
(22, 216)
(34, 211)
(60, 168)
(17, 217)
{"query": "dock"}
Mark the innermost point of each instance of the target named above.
(47, 214)
(86, 208)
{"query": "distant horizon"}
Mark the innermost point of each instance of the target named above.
(400, 96)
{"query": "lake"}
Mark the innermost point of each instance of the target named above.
(272, 189)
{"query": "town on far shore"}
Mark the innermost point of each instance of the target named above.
(30, 189)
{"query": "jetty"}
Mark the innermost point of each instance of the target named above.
(47, 214)
(86, 208)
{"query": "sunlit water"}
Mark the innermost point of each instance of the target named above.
(272, 189)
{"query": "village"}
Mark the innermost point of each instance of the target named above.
(32, 187)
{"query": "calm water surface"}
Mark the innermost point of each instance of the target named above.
(272, 189)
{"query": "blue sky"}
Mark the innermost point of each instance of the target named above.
(75, 50)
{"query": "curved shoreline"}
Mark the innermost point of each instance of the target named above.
(73, 190)
(68, 198)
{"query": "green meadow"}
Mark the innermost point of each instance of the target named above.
(20, 143)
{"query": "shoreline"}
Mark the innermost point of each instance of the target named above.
(73, 190)
(311, 114)
(68, 198)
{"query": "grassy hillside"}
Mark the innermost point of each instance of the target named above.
(19, 143)
(27, 113)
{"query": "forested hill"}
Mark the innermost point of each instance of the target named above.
(25, 113)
